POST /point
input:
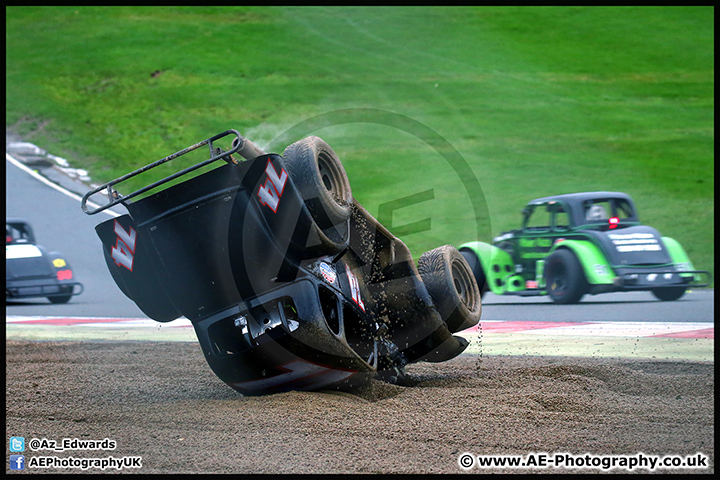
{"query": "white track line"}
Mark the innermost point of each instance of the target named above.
(621, 329)
(95, 321)
(50, 184)
(594, 329)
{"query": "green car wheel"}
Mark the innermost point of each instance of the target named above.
(669, 294)
(564, 277)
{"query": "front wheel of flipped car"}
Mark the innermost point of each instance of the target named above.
(452, 287)
(317, 173)
(669, 294)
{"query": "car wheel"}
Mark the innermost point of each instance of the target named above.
(474, 263)
(318, 174)
(564, 277)
(669, 294)
(452, 287)
(61, 298)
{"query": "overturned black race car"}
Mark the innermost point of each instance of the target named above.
(289, 282)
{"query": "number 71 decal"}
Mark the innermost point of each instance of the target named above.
(354, 288)
(272, 191)
(124, 250)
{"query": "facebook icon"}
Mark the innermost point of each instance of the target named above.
(17, 462)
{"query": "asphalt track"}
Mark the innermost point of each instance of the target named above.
(632, 325)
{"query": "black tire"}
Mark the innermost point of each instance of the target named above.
(452, 287)
(318, 174)
(57, 299)
(669, 294)
(564, 277)
(476, 267)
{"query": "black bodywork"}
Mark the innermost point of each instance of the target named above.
(274, 304)
(32, 271)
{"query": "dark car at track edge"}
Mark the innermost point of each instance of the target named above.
(31, 271)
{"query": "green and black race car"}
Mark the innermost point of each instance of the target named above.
(579, 243)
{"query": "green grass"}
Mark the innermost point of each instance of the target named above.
(535, 100)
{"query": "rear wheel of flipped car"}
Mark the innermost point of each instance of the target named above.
(317, 173)
(669, 294)
(564, 277)
(452, 287)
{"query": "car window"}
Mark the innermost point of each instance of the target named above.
(562, 220)
(623, 209)
(597, 211)
(538, 219)
(601, 210)
(16, 234)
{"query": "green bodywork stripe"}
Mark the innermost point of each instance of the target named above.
(679, 256)
(595, 265)
(677, 253)
(498, 278)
